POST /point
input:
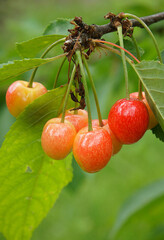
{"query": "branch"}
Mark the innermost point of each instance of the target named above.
(83, 33)
(107, 28)
(149, 19)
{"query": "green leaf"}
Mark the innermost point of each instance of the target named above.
(58, 27)
(17, 67)
(30, 180)
(129, 45)
(31, 48)
(138, 201)
(159, 133)
(151, 74)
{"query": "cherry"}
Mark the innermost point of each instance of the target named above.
(128, 120)
(95, 122)
(116, 143)
(19, 95)
(152, 120)
(79, 120)
(92, 149)
(57, 138)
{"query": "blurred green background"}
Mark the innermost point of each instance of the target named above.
(89, 207)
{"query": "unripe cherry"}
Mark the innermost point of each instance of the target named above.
(92, 149)
(57, 138)
(19, 95)
(128, 120)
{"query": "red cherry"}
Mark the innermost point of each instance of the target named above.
(57, 138)
(92, 150)
(128, 120)
(79, 120)
(152, 120)
(116, 144)
(19, 95)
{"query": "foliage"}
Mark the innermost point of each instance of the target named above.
(31, 48)
(31, 180)
(152, 77)
(12, 69)
(94, 221)
(143, 198)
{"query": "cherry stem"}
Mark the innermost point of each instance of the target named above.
(76, 103)
(78, 54)
(114, 51)
(94, 91)
(119, 29)
(118, 53)
(139, 57)
(148, 30)
(67, 93)
(117, 46)
(42, 56)
(137, 48)
(59, 70)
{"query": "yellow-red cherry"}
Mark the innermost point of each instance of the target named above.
(79, 119)
(152, 119)
(128, 119)
(57, 138)
(95, 122)
(92, 149)
(19, 95)
(116, 143)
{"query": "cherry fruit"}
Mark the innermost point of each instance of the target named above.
(116, 143)
(57, 138)
(152, 120)
(95, 122)
(79, 120)
(19, 95)
(92, 149)
(128, 120)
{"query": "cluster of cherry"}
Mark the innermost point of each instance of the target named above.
(127, 122)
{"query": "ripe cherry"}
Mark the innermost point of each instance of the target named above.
(79, 120)
(128, 120)
(152, 120)
(57, 138)
(116, 143)
(19, 95)
(95, 122)
(92, 149)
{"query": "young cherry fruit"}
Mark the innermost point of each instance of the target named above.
(152, 120)
(19, 95)
(116, 144)
(128, 120)
(57, 138)
(79, 120)
(92, 149)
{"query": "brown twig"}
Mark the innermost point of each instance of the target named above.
(107, 28)
(83, 34)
